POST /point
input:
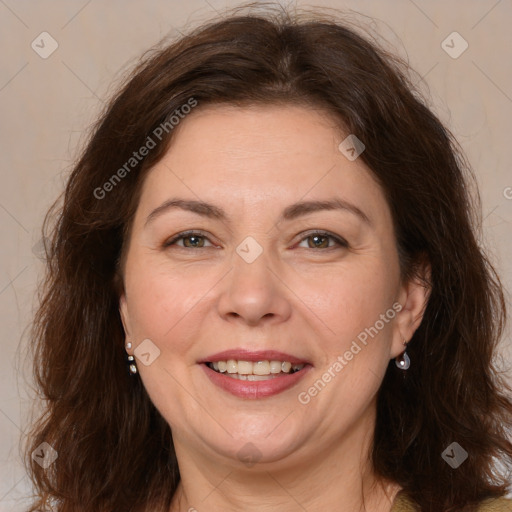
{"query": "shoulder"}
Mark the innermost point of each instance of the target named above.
(496, 505)
(403, 504)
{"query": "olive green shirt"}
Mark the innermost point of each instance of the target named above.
(402, 504)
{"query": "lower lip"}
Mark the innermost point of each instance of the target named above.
(255, 389)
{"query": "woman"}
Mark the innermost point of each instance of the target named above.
(265, 291)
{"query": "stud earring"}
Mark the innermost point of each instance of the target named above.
(403, 361)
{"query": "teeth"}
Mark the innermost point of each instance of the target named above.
(244, 367)
(247, 370)
(260, 377)
(286, 367)
(250, 377)
(275, 366)
(259, 368)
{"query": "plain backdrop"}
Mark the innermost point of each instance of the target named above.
(47, 104)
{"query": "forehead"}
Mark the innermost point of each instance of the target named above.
(259, 155)
(259, 131)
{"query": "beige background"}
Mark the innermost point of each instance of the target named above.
(47, 104)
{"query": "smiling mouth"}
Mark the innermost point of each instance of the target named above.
(255, 371)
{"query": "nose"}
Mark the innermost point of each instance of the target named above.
(255, 293)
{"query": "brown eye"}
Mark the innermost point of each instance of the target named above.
(195, 241)
(320, 240)
(191, 240)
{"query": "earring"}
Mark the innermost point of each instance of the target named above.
(403, 361)
(132, 367)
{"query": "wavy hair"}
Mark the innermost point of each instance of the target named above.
(115, 451)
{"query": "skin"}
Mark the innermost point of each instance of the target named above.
(198, 299)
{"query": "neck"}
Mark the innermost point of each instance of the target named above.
(337, 477)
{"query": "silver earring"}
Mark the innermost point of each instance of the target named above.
(132, 367)
(403, 361)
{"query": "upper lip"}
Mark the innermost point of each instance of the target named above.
(252, 355)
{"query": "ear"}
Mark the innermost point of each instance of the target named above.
(123, 311)
(413, 299)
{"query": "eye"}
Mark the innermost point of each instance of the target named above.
(320, 240)
(196, 240)
(191, 239)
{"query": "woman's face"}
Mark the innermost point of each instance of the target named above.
(258, 275)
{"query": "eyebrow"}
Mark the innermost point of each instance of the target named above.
(291, 212)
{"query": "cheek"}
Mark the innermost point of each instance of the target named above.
(339, 301)
(162, 301)
(351, 302)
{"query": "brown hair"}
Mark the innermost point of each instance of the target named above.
(115, 450)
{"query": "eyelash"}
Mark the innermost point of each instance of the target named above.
(186, 234)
